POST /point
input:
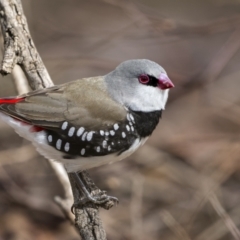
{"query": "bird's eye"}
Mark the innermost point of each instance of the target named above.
(144, 79)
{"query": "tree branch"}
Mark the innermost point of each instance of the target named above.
(19, 47)
(19, 50)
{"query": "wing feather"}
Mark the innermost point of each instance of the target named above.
(84, 102)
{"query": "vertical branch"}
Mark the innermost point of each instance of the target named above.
(19, 50)
(19, 47)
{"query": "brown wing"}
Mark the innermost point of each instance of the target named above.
(83, 102)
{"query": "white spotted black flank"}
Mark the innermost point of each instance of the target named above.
(79, 140)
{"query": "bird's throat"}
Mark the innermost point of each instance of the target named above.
(146, 122)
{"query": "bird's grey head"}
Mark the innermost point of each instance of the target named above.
(141, 85)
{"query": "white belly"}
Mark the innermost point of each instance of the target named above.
(39, 140)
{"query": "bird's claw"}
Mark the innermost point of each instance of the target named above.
(102, 200)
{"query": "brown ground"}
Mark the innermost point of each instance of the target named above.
(185, 182)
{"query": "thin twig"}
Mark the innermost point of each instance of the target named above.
(176, 228)
(224, 216)
(216, 230)
(136, 206)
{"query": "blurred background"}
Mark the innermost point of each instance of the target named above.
(185, 182)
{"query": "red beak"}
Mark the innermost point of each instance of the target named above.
(164, 82)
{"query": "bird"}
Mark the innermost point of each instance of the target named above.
(92, 121)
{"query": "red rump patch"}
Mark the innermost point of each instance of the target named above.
(16, 100)
(10, 100)
(32, 128)
(36, 129)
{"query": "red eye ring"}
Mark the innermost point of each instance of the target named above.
(144, 79)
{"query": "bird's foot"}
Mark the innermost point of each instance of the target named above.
(94, 196)
(101, 199)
